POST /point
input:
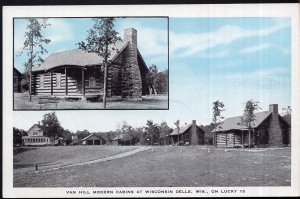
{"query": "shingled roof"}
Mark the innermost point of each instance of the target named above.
(122, 137)
(183, 129)
(233, 122)
(78, 57)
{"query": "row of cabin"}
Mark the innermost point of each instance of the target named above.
(36, 137)
(269, 130)
(79, 74)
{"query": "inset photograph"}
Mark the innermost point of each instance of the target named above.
(91, 63)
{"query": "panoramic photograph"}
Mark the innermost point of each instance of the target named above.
(228, 122)
(91, 63)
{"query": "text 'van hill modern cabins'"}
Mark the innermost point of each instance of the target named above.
(78, 74)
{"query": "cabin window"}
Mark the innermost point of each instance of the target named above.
(58, 80)
(187, 137)
(41, 80)
(92, 82)
(35, 133)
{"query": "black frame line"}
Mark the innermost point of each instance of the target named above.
(68, 109)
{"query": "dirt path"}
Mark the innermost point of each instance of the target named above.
(109, 158)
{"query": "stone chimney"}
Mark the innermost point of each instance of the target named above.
(194, 136)
(132, 76)
(39, 123)
(130, 34)
(275, 132)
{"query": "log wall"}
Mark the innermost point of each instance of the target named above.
(41, 84)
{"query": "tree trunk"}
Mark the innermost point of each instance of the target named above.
(30, 70)
(105, 78)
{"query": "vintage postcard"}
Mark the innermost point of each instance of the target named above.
(151, 101)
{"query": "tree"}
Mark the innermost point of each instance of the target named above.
(51, 126)
(177, 124)
(248, 118)
(165, 131)
(17, 136)
(218, 108)
(82, 134)
(67, 135)
(161, 82)
(157, 81)
(152, 131)
(34, 45)
(128, 131)
(208, 136)
(99, 38)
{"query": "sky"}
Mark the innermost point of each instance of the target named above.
(65, 33)
(228, 59)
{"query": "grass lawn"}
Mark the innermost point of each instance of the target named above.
(49, 157)
(21, 101)
(174, 167)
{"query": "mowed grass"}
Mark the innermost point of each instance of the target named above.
(50, 157)
(174, 167)
(21, 101)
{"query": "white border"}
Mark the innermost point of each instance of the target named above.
(245, 10)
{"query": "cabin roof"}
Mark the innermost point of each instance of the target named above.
(122, 137)
(232, 122)
(18, 72)
(90, 135)
(183, 129)
(78, 57)
(35, 125)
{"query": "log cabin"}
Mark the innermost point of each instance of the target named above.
(79, 74)
(17, 80)
(269, 130)
(190, 134)
(123, 140)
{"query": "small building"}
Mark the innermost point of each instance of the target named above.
(17, 81)
(36, 137)
(190, 134)
(79, 74)
(93, 139)
(269, 130)
(122, 139)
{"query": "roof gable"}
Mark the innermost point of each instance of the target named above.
(183, 129)
(233, 122)
(122, 137)
(94, 136)
(34, 126)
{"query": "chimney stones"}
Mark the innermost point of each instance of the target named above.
(132, 80)
(194, 136)
(275, 132)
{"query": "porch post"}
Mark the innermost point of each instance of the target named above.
(233, 137)
(83, 82)
(243, 138)
(93, 142)
(51, 84)
(249, 140)
(66, 82)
